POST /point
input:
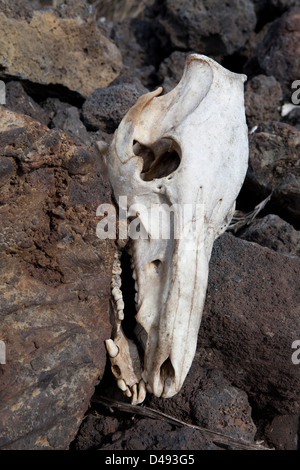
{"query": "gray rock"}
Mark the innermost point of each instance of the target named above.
(105, 107)
(171, 70)
(279, 52)
(274, 166)
(17, 100)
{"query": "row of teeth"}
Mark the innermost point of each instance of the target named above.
(137, 392)
(116, 287)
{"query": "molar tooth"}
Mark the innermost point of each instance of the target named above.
(136, 286)
(116, 270)
(134, 274)
(122, 385)
(117, 293)
(121, 315)
(120, 304)
(136, 297)
(112, 348)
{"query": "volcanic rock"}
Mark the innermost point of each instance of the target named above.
(55, 283)
(250, 320)
(205, 27)
(105, 107)
(17, 100)
(279, 52)
(274, 233)
(274, 167)
(263, 96)
(48, 49)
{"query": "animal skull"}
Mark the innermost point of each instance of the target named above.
(186, 148)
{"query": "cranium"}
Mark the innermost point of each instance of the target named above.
(186, 148)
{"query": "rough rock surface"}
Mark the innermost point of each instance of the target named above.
(273, 232)
(274, 166)
(67, 118)
(54, 283)
(171, 70)
(17, 100)
(204, 26)
(263, 96)
(282, 432)
(250, 321)
(206, 400)
(105, 107)
(59, 51)
(279, 52)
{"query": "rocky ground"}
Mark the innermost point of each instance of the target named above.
(72, 69)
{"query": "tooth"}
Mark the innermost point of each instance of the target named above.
(142, 392)
(134, 397)
(117, 293)
(134, 274)
(116, 281)
(120, 304)
(117, 270)
(136, 286)
(128, 393)
(121, 315)
(112, 348)
(136, 297)
(122, 385)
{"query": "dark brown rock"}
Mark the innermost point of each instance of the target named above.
(273, 232)
(55, 284)
(279, 52)
(250, 321)
(148, 434)
(274, 166)
(282, 432)
(263, 96)
(208, 400)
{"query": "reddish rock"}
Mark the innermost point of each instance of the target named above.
(55, 283)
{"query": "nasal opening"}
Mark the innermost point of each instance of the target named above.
(159, 161)
(167, 371)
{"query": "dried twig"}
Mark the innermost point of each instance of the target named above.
(240, 219)
(217, 437)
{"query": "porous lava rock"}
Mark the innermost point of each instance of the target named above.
(54, 283)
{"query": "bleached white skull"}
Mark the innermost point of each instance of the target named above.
(188, 148)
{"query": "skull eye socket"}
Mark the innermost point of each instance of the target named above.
(159, 160)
